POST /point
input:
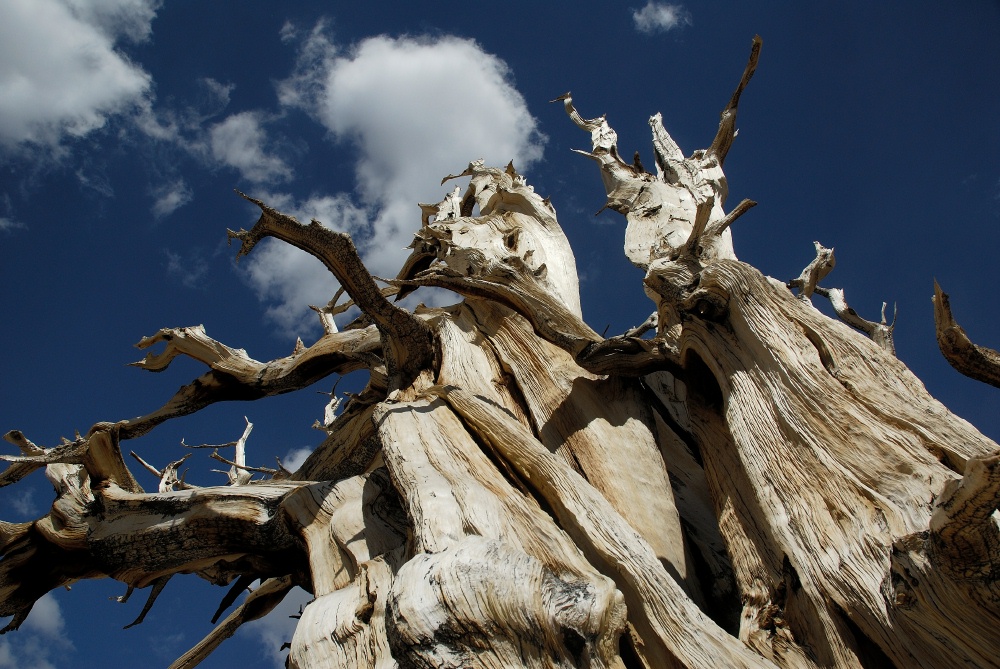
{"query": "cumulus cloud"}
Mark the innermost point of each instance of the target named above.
(46, 618)
(660, 17)
(416, 109)
(39, 640)
(240, 141)
(25, 652)
(60, 74)
(289, 279)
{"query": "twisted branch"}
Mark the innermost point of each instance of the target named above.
(408, 343)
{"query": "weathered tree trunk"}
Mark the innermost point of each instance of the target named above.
(754, 485)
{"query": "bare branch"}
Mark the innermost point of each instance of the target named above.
(122, 599)
(19, 617)
(976, 362)
(330, 410)
(236, 376)
(238, 475)
(258, 603)
(880, 333)
(27, 446)
(646, 326)
(814, 272)
(706, 233)
(98, 453)
(241, 584)
(244, 468)
(717, 227)
(516, 286)
(727, 126)
(604, 149)
(408, 344)
(148, 467)
(158, 586)
(702, 214)
(168, 476)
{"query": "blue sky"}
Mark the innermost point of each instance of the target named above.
(126, 124)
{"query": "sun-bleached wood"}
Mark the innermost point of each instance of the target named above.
(739, 481)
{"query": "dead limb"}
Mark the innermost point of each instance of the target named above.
(168, 475)
(814, 272)
(976, 362)
(879, 332)
(408, 344)
(258, 603)
(236, 376)
(727, 125)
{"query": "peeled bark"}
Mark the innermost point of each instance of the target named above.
(753, 484)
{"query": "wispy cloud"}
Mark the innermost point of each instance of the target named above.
(62, 75)
(23, 503)
(416, 109)
(240, 141)
(94, 180)
(170, 197)
(190, 271)
(7, 224)
(7, 220)
(660, 17)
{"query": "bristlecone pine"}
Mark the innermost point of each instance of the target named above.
(739, 482)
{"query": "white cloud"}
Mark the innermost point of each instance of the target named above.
(39, 640)
(24, 501)
(290, 279)
(25, 652)
(277, 627)
(170, 197)
(129, 18)
(240, 141)
(46, 618)
(417, 109)
(660, 17)
(60, 74)
(295, 457)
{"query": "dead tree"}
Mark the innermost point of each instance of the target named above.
(740, 482)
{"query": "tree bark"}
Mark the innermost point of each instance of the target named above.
(741, 481)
